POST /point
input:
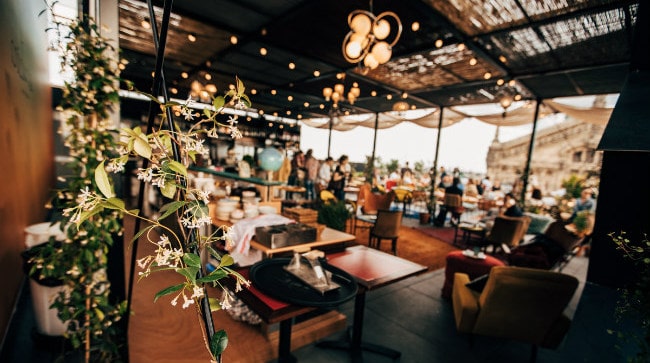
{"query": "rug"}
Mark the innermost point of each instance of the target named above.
(445, 234)
(416, 246)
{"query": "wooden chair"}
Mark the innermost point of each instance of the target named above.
(386, 227)
(452, 203)
(371, 204)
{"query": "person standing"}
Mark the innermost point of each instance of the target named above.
(311, 167)
(296, 177)
(325, 172)
(337, 183)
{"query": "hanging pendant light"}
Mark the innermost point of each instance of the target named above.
(366, 42)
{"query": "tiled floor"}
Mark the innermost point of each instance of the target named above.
(410, 316)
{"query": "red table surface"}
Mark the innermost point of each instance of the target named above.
(371, 267)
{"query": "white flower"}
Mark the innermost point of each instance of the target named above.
(197, 292)
(187, 302)
(175, 300)
(226, 300)
(213, 133)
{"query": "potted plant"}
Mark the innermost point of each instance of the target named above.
(635, 299)
(334, 214)
(79, 260)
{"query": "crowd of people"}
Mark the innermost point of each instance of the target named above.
(313, 174)
(333, 175)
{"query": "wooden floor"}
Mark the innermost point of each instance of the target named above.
(159, 332)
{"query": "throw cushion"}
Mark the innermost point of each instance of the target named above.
(478, 284)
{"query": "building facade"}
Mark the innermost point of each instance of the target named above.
(560, 151)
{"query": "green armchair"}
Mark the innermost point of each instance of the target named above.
(516, 303)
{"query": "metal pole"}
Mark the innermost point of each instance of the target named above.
(432, 196)
(374, 148)
(329, 138)
(531, 145)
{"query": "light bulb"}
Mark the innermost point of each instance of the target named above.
(339, 88)
(381, 29)
(370, 61)
(327, 93)
(381, 52)
(361, 24)
(353, 50)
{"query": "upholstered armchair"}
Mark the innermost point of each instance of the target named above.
(516, 303)
(507, 232)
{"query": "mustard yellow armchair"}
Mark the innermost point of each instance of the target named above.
(516, 303)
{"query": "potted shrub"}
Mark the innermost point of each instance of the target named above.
(79, 260)
(334, 214)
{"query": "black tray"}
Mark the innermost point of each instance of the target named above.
(271, 278)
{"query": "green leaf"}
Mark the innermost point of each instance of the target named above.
(218, 102)
(169, 190)
(142, 147)
(246, 100)
(149, 96)
(226, 260)
(170, 208)
(191, 259)
(114, 203)
(177, 167)
(214, 304)
(218, 342)
(189, 273)
(102, 181)
(215, 275)
(141, 232)
(167, 291)
(100, 314)
(240, 86)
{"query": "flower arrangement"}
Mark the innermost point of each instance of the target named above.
(92, 212)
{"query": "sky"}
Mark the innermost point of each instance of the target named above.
(463, 145)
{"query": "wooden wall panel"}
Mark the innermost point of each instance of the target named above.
(26, 138)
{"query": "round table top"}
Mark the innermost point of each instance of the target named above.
(270, 277)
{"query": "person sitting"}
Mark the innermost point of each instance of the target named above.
(586, 202)
(512, 209)
(454, 188)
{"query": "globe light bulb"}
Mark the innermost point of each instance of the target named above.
(353, 49)
(381, 52)
(370, 61)
(361, 24)
(381, 29)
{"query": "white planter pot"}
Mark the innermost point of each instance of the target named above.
(47, 321)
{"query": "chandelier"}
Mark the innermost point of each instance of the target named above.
(337, 93)
(367, 40)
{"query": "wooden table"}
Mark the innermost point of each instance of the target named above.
(371, 269)
(328, 238)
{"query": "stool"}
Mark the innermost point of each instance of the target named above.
(474, 267)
